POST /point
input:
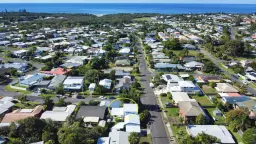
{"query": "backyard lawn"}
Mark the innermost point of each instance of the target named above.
(203, 100)
(209, 90)
(190, 53)
(219, 119)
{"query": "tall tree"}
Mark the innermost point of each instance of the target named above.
(134, 138)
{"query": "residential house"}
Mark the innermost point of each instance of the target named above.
(56, 71)
(194, 65)
(123, 62)
(184, 86)
(92, 86)
(171, 78)
(106, 83)
(20, 67)
(73, 83)
(21, 114)
(59, 113)
(218, 131)
(30, 80)
(207, 79)
(234, 99)
(189, 110)
(56, 81)
(189, 46)
(115, 137)
(4, 43)
(180, 97)
(225, 88)
(20, 53)
(5, 105)
(168, 67)
(123, 83)
(92, 114)
(250, 105)
(78, 60)
(125, 51)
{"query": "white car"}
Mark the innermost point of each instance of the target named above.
(102, 97)
(244, 82)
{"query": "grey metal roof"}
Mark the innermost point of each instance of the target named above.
(91, 111)
(58, 79)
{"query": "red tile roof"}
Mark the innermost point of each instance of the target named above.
(57, 71)
(18, 115)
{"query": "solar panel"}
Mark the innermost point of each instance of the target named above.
(168, 77)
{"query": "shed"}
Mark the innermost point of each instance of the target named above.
(217, 112)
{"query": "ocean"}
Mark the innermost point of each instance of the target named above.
(113, 8)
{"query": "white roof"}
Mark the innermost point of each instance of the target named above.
(118, 126)
(26, 110)
(20, 51)
(73, 80)
(119, 137)
(105, 103)
(171, 78)
(132, 119)
(59, 113)
(186, 84)
(124, 50)
(105, 82)
(46, 57)
(218, 131)
(193, 64)
(130, 108)
(91, 119)
(103, 140)
(181, 96)
(117, 111)
(132, 128)
(92, 85)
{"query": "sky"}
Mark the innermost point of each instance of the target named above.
(133, 1)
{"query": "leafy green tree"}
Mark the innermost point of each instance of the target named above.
(92, 76)
(172, 44)
(76, 134)
(112, 75)
(249, 136)
(201, 119)
(144, 116)
(212, 84)
(60, 89)
(61, 102)
(94, 102)
(134, 138)
(238, 119)
(29, 130)
(235, 47)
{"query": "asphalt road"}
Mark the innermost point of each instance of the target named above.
(158, 132)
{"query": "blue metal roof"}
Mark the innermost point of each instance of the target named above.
(31, 80)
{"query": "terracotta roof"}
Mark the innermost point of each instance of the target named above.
(57, 71)
(19, 115)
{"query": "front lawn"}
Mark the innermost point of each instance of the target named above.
(146, 139)
(8, 88)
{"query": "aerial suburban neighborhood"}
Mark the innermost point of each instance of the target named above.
(127, 78)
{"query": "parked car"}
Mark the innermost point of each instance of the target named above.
(112, 97)
(102, 97)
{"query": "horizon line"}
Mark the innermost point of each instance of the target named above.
(115, 3)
